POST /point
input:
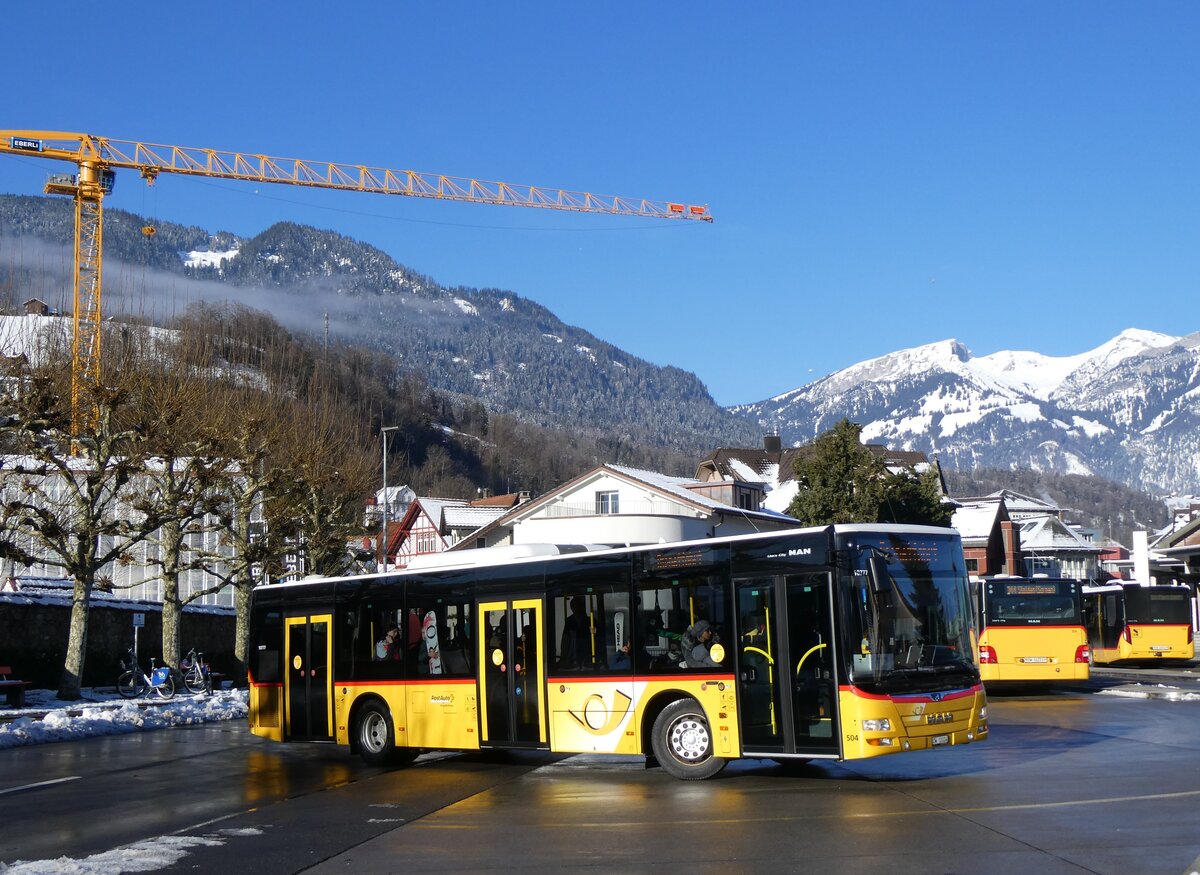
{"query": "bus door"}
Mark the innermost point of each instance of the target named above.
(308, 656)
(787, 688)
(512, 710)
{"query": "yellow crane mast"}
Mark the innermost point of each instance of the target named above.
(98, 158)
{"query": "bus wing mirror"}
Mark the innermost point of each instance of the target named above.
(880, 577)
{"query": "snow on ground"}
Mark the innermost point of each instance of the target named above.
(144, 856)
(102, 712)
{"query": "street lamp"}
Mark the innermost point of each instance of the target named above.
(383, 432)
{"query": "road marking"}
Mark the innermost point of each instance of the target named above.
(40, 784)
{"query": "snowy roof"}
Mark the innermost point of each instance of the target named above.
(471, 517)
(677, 487)
(975, 522)
(1050, 534)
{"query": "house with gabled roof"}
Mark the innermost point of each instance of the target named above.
(991, 541)
(616, 505)
(1052, 547)
(771, 468)
(434, 525)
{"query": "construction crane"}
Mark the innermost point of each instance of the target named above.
(98, 158)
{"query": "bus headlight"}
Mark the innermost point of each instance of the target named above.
(983, 713)
(877, 725)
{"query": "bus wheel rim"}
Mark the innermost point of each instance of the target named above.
(374, 734)
(689, 739)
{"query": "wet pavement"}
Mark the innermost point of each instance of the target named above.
(1071, 781)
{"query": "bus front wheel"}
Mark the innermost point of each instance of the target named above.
(682, 742)
(377, 737)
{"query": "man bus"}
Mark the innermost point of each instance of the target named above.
(840, 642)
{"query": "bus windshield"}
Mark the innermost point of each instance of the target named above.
(913, 630)
(1031, 602)
(1153, 604)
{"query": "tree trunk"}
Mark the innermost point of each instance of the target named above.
(241, 636)
(72, 674)
(172, 609)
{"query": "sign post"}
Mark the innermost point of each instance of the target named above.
(139, 620)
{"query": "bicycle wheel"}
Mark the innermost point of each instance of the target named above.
(166, 689)
(194, 679)
(131, 684)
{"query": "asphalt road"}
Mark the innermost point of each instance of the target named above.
(1069, 782)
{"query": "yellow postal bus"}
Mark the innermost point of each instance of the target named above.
(837, 643)
(1133, 622)
(1032, 630)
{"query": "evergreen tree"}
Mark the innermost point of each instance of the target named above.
(843, 481)
(840, 479)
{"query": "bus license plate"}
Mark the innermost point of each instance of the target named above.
(939, 739)
(1160, 647)
(1038, 659)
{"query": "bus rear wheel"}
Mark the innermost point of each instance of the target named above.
(682, 742)
(377, 737)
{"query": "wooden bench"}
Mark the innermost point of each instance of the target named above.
(14, 690)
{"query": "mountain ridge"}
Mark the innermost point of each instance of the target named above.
(1127, 410)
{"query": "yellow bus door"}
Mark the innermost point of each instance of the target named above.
(512, 709)
(308, 700)
(787, 689)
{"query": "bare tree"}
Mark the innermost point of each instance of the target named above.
(331, 473)
(182, 481)
(71, 502)
(247, 422)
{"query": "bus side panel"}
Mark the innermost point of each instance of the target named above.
(443, 714)
(915, 722)
(1034, 653)
(266, 711)
(437, 714)
(604, 714)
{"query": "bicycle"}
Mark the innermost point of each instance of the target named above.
(134, 682)
(196, 675)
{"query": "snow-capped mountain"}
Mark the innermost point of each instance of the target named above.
(1128, 410)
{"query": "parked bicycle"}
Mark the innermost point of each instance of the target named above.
(134, 682)
(196, 675)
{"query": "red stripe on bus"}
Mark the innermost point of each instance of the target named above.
(958, 694)
(416, 682)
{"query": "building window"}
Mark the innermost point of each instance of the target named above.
(972, 566)
(608, 502)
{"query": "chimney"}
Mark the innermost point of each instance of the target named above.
(772, 443)
(1011, 539)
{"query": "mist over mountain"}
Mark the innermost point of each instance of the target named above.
(1127, 411)
(508, 352)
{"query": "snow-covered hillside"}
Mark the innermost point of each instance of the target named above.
(1128, 410)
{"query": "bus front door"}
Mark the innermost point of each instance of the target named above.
(308, 703)
(512, 711)
(787, 689)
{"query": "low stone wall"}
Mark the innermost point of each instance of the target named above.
(33, 640)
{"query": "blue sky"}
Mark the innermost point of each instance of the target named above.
(882, 175)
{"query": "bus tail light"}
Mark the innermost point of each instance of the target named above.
(1127, 635)
(1083, 654)
(987, 654)
(1190, 632)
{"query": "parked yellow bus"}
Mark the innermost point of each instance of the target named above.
(840, 642)
(1032, 630)
(1133, 622)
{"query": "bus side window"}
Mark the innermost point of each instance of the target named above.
(578, 621)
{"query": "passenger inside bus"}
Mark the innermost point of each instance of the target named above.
(697, 643)
(388, 647)
(575, 647)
